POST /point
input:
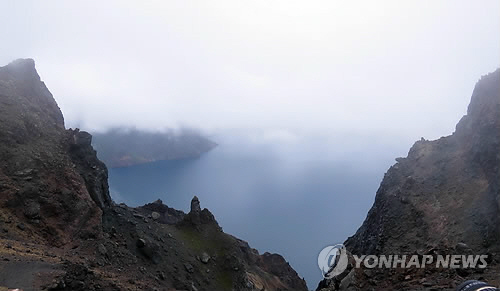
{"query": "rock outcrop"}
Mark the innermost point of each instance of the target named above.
(50, 178)
(84, 157)
(60, 230)
(445, 194)
(192, 250)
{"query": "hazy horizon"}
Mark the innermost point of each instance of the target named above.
(390, 68)
(310, 102)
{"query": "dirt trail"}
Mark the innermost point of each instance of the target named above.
(26, 275)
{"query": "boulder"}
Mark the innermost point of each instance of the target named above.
(155, 215)
(205, 258)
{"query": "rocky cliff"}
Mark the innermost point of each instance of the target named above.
(48, 174)
(443, 198)
(60, 230)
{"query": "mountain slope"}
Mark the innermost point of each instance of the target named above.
(443, 197)
(47, 174)
(60, 230)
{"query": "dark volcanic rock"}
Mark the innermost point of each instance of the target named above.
(195, 247)
(444, 194)
(195, 204)
(167, 214)
(450, 186)
(197, 216)
(278, 266)
(61, 231)
(92, 170)
(43, 165)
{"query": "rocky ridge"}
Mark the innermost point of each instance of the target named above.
(443, 198)
(60, 230)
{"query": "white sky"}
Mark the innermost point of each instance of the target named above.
(378, 67)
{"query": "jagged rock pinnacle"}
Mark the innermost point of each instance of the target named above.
(195, 205)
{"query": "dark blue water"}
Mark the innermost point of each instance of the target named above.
(293, 200)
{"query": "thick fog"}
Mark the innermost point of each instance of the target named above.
(385, 67)
(328, 92)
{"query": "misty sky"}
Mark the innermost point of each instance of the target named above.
(365, 79)
(357, 67)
